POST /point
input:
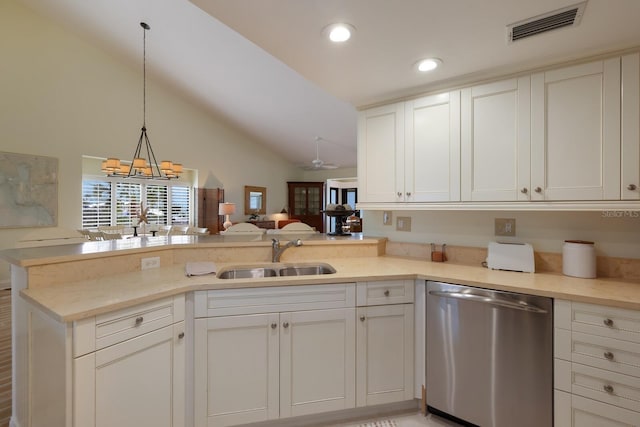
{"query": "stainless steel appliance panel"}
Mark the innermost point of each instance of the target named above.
(489, 356)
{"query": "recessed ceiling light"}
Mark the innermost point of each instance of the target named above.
(339, 33)
(428, 64)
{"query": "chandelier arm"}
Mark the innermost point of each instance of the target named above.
(151, 155)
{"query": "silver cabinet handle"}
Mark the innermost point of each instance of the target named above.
(285, 325)
(538, 190)
(386, 293)
(608, 355)
(362, 318)
(608, 322)
(608, 388)
(274, 325)
(139, 320)
(631, 187)
(399, 193)
(525, 190)
(181, 335)
(408, 193)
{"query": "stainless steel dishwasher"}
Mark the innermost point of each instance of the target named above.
(489, 356)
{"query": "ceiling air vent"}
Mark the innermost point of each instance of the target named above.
(565, 17)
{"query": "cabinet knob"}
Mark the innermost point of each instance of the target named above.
(608, 322)
(274, 325)
(608, 355)
(631, 187)
(139, 320)
(386, 293)
(524, 190)
(399, 193)
(181, 335)
(408, 193)
(538, 190)
(608, 388)
(362, 318)
(285, 325)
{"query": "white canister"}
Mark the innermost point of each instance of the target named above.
(579, 259)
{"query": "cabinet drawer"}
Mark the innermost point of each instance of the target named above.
(226, 302)
(577, 411)
(605, 321)
(112, 328)
(605, 386)
(385, 292)
(606, 353)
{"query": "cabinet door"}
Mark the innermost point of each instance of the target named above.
(139, 382)
(384, 354)
(236, 369)
(630, 183)
(381, 154)
(495, 141)
(317, 361)
(575, 132)
(432, 148)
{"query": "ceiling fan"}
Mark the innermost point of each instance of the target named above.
(317, 163)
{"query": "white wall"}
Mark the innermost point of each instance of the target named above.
(61, 96)
(546, 231)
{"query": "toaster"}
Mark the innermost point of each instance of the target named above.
(510, 256)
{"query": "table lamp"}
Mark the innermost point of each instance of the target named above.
(226, 209)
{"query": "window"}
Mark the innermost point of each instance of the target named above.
(114, 201)
(96, 203)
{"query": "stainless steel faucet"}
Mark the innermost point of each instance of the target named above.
(276, 249)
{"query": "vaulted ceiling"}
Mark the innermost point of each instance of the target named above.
(265, 66)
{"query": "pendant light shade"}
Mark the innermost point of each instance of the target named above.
(141, 166)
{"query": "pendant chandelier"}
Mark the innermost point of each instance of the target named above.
(141, 167)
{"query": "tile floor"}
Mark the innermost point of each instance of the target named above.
(400, 420)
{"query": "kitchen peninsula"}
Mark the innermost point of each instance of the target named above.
(72, 305)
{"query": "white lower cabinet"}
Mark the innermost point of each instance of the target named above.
(385, 342)
(596, 365)
(270, 365)
(139, 382)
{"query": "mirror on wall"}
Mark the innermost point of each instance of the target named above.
(255, 200)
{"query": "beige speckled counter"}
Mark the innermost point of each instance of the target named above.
(76, 300)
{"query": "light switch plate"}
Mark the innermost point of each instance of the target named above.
(387, 218)
(403, 223)
(505, 226)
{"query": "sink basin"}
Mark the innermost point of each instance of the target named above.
(306, 269)
(247, 273)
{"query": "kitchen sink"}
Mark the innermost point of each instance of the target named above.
(304, 269)
(246, 273)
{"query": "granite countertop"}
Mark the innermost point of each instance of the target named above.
(41, 255)
(77, 300)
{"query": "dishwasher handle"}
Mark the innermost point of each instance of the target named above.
(521, 305)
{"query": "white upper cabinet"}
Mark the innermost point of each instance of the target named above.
(496, 141)
(630, 182)
(575, 132)
(410, 152)
(381, 154)
(432, 148)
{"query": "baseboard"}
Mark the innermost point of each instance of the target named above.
(14, 422)
(345, 415)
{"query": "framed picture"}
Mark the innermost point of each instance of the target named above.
(28, 191)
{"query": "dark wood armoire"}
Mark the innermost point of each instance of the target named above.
(207, 207)
(306, 203)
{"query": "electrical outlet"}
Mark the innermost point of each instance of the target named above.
(387, 218)
(403, 223)
(505, 226)
(152, 262)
